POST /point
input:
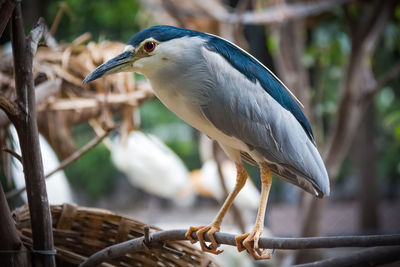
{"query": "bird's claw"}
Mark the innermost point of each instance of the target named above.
(200, 231)
(189, 232)
(249, 242)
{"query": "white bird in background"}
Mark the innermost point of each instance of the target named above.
(58, 188)
(153, 167)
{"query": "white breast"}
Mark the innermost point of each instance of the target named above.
(182, 106)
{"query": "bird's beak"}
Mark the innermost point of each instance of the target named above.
(117, 64)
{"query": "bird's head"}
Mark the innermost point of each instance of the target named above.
(150, 50)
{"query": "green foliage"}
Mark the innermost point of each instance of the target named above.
(388, 107)
(115, 20)
(272, 44)
(93, 173)
(387, 101)
(327, 54)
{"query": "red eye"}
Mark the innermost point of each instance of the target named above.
(149, 46)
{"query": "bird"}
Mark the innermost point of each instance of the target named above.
(149, 163)
(227, 94)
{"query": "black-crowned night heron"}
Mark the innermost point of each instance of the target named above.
(224, 92)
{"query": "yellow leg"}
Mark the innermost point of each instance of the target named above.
(250, 240)
(216, 223)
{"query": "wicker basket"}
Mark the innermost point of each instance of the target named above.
(81, 231)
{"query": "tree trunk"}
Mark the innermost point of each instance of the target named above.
(291, 37)
(26, 126)
(365, 158)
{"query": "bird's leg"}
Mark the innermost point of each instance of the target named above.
(214, 226)
(250, 240)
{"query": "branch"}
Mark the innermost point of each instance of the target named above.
(278, 13)
(9, 107)
(14, 154)
(385, 79)
(82, 151)
(6, 10)
(43, 91)
(37, 33)
(285, 12)
(66, 162)
(26, 126)
(80, 103)
(366, 257)
(158, 238)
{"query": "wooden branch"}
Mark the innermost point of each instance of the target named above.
(43, 91)
(66, 162)
(9, 107)
(26, 126)
(158, 238)
(13, 153)
(63, 8)
(6, 10)
(36, 34)
(367, 257)
(276, 14)
(285, 12)
(79, 103)
(82, 151)
(392, 74)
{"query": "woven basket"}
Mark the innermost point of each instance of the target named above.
(81, 231)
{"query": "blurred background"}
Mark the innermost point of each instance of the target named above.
(341, 58)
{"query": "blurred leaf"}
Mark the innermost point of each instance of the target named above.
(272, 44)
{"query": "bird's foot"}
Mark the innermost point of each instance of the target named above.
(249, 242)
(200, 231)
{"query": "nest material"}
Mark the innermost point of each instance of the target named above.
(63, 101)
(81, 231)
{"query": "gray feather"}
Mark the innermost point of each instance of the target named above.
(244, 110)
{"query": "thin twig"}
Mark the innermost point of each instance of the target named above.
(8, 106)
(388, 77)
(36, 34)
(82, 151)
(43, 92)
(13, 153)
(63, 7)
(66, 162)
(137, 244)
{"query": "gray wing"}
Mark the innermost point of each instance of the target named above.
(243, 109)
